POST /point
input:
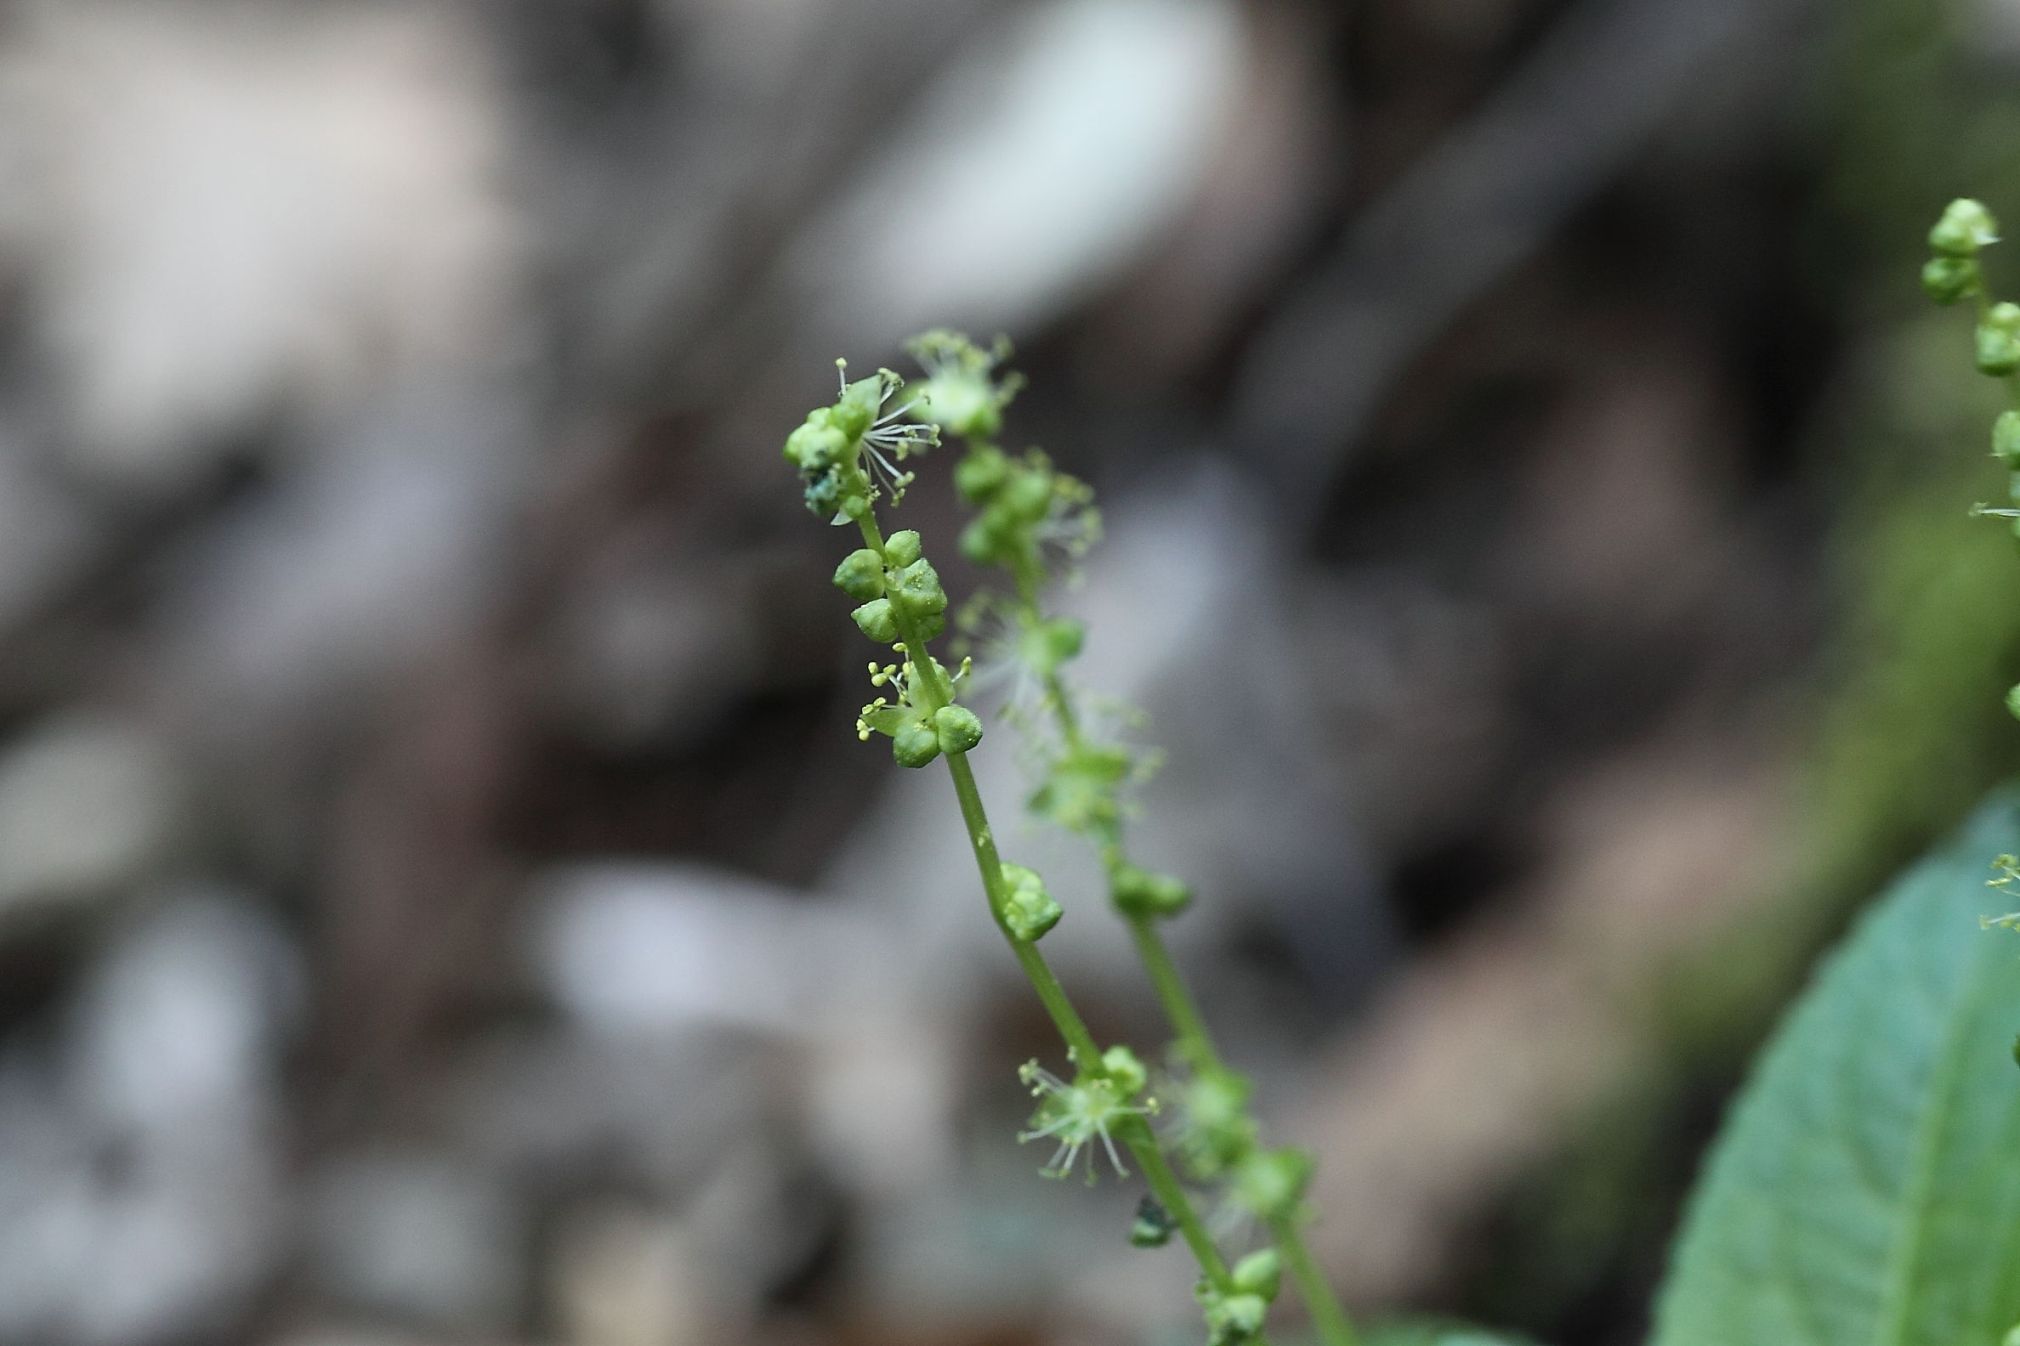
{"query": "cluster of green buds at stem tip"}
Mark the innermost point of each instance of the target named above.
(1954, 272)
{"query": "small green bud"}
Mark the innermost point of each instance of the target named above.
(1125, 1071)
(989, 539)
(1272, 1182)
(902, 547)
(1046, 645)
(915, 745)
(916, 590)
(1028, 910)
(1949, 279)
(861, 574)
(1260, 1273)
(1231, 1318)
(818, 443)
(1965, 227)
(1028, 496)
(1153, 1227)
(981, 474)
(876, 621)
(1999, 340)
(1139, 892)
(959, 728)
(2013, 701)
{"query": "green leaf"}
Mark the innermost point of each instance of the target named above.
(1866, 1189)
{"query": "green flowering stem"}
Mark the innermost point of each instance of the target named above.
(934, 692)
(1193, 1040)
(1165, 1186)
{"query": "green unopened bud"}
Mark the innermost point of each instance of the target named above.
(1260, 1273)
(902, 547)
(818, 442)
(915, 745)
(981, 474)
(1125, 1071)
(1153, 1226)
(1966, 226)
(916, 588)
(1231, 1318)
(959, 728)
(1046, 645)
(1949, 279)
(1028, 496)
(1028, 910)
(876, 621)
(861, 574)
(1272, 1182)
(1140, 892)
(1999, 340)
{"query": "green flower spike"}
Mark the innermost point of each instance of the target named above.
(1078, 1114)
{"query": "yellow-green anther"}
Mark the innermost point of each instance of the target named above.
(915, 745)
(958, 728)
(1260, 1273)
(1965, 227)
(875, 620)
(1949, 279)
(861, 574)
(1028, 910)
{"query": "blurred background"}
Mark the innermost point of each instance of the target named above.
(441, 897)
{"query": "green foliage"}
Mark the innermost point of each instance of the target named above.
(1867, 1187)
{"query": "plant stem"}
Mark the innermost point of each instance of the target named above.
(1328, 1319)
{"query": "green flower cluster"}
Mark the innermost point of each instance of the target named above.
(1034, 522)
